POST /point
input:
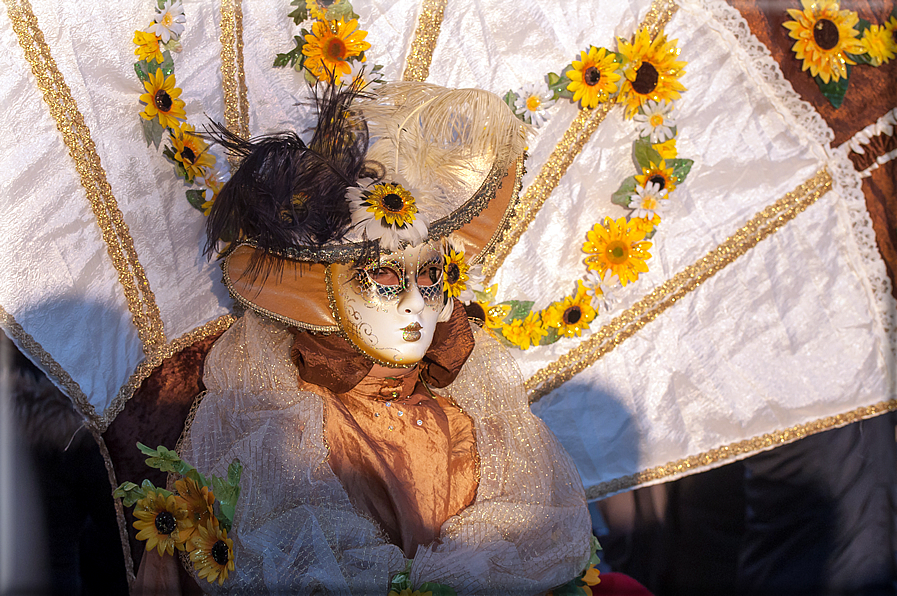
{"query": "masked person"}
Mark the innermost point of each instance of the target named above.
(379, 431)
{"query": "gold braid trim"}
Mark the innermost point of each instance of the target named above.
(417, 65)
(570, 145)
(233, 76)
(49, 365)
(629, 322)
(119, 510)
(70, 122)
(145, 368)
(734, 451)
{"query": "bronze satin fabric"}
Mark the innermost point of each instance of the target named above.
(407, 460)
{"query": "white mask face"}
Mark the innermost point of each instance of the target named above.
(389, 308)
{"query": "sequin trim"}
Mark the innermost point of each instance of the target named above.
(119, 510)
(762, 225)
(577, 135)
(64, 110)
(420, 54)
(233, 76)
(736, 451)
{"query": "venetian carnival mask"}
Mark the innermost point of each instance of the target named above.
(389, 307)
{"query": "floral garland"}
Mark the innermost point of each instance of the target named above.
(192, 520)
(643, 76)
(830, 40)
(164, 111)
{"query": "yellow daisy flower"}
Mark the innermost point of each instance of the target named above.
(159, 521)
(197, 501)
(879, 43)
(651, 71)
(213, 552)
(455, 273)
(330, 45)
(660, 175)
(825, 35)
(317, 9)
(594, 77)
(640, 224)
(592, 577)
(147, 46)
(617, 246)
(525, 332)
(572, 314)
(161, 99)
(667, 149)
(192, 152)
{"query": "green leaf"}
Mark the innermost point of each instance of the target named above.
(164, 459)
(861, 59)
(160, 4)
(510, 98)
(299, 15)
(340, 10)
(129, 493)
(623, 195)
(681, 168)
(146, 485)
(141, 69)
(834, 91)
(571, 588)
(227, 492)
(594, 546)
(550, 338)
(861, 27)
(437, 589)
(167, 65)
(234, 471)
(309, 77)
(644, 154)
(519, 309)
(293, 55)
(152, 131)
(196, 198)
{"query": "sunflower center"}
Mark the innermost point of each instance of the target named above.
(591, 76)
(617, 252)
(572, 315)
(826, 34)
(165, 523)
(393, 202)
(655, 120)
(645, 79)
(220, 552)
(533, 102)
(453, 274)
(188, 154)
(335, 49)
(659, 180)
(162, 100)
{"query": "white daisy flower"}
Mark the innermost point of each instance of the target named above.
(602, 290)
(387, 211)
(475, 281)
(533, 102)
(656, 120)
(169, 22)
(370, 79)
(648, 201)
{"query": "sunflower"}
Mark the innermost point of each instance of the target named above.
(455, 273)
(213, 552)
(386, 211)
(825, 35)
(197, 501)
(572, 314)
(159, 521)
(618, 247)
(651, 71)
(525, 332)
(330, 45)
(879, 43)
(594, 77)
(161, 99)
(192, 152)
(147, 46)
(660, 175)
(213, 186)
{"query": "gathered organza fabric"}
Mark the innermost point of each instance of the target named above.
(295, 529)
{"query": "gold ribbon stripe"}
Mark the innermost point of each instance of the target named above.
(420, 55)
(233, 75)
(70, 122)
(739, 450)
(762, 225)
(570, 145)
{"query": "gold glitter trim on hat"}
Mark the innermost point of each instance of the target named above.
(233, 76)
(145, 368)
(629, 322)
(420, 54)
(62, 106)
(735, 451)
(119, 509)
(577, 135)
